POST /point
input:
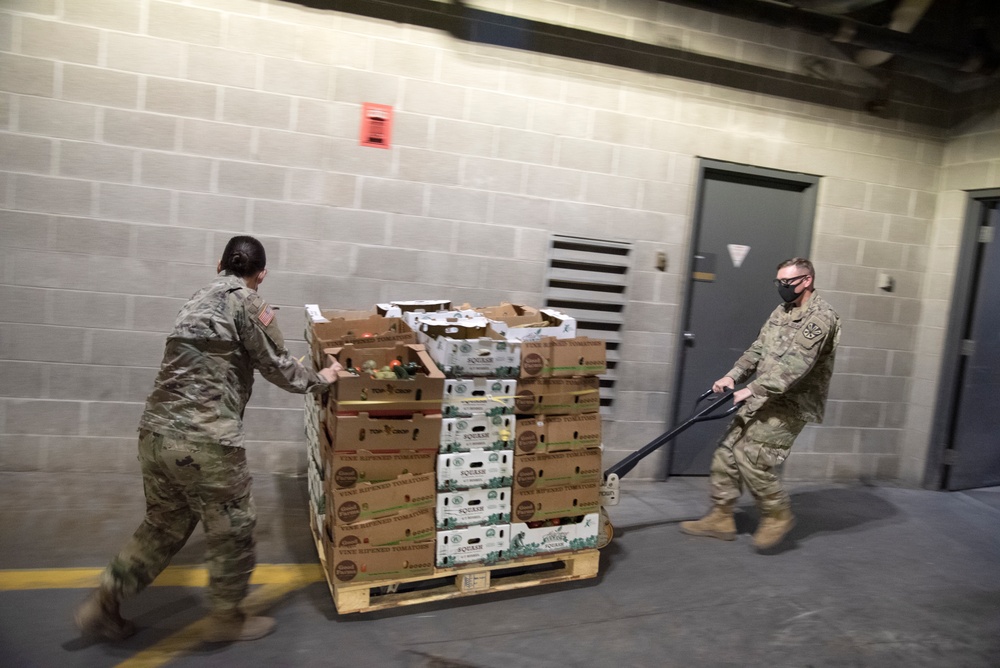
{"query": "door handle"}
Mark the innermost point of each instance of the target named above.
(689, 338)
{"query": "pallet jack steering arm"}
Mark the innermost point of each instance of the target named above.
(610, 489)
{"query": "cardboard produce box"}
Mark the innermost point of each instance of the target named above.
(350, 433)
(380, 563)
(396, 308)
(558, 396)
(368, 501)
(470, 347)
(525, 323)
(473, 506)
(478, 396)
(376, 396)
(409, 527)
(557, 433)
(345, 470)
(477, 432)
(476, 468)
(372, 331)
(558, 469)
(559, 358)
(545, 503)
(564, 534)
(478, 544)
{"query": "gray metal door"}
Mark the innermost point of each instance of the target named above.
(748, 220)
(975, 437)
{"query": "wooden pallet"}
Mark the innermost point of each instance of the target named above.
(448, 583)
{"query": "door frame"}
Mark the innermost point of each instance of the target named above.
(807, 215)
(946, 405)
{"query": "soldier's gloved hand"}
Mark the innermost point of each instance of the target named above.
(329, 374)
(723, 384)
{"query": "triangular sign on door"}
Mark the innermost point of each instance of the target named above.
(737, 253)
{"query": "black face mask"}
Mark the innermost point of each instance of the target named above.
(787, 293)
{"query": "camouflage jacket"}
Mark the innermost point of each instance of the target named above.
(793, 359)
(221, 335)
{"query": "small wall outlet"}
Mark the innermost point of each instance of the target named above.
(886, 282)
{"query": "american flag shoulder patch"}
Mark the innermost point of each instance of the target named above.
(266, 315)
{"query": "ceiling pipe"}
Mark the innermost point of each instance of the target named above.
(848, 31)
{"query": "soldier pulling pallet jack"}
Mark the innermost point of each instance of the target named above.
(793, 359)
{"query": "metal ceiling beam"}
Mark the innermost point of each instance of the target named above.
(848, 31)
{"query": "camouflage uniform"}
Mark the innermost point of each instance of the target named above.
(191, 440)
(793, 359)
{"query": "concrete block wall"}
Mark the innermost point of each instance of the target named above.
(136, 136)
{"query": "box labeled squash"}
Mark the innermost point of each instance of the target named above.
(477, 432)
(478, 544)
(476, 468)
(563, 534)
(473, 506)
(478, 396)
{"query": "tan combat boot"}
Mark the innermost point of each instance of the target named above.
(719, 523)
(773, 528)
(233, 625)
(99, 615)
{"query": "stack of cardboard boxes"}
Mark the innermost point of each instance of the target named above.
(445, 426)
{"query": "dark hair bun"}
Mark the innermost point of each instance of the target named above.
(244, 256)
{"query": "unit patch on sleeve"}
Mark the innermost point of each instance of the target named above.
(811, 333)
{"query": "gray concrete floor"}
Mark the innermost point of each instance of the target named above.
(871, 576)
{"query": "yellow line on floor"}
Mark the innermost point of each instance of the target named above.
(190, 636)
(174, 576)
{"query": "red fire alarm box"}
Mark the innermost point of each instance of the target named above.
(376, 125)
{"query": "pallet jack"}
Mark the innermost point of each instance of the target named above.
(610, 487)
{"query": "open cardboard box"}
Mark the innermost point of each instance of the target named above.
(557, 433)
(362, 393)
(525, 323)
(369, 331)
(470, 347)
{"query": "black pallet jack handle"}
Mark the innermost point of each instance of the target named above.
(706, 413)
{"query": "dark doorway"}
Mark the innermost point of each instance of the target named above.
(967, 428)
(747, 221)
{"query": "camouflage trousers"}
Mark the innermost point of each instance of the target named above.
(750, 454)
(184, 483)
